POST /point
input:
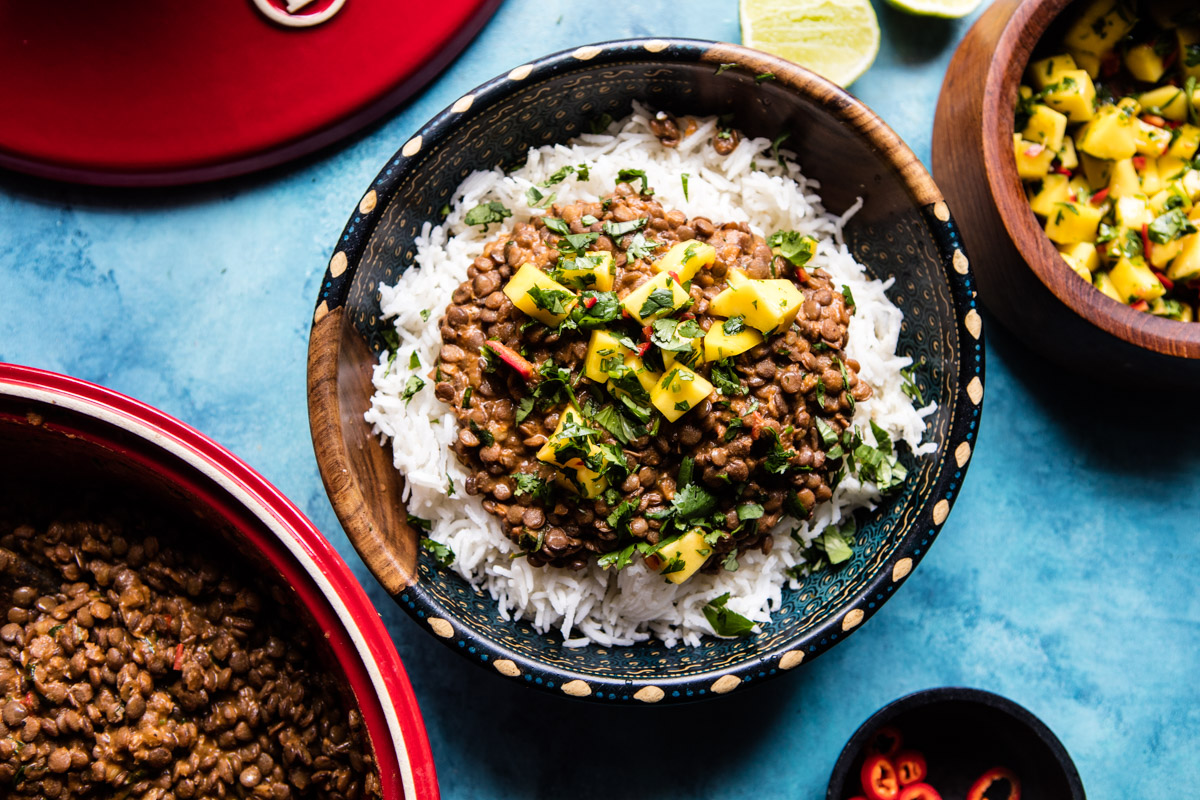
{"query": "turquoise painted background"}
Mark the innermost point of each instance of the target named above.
(1064, 579)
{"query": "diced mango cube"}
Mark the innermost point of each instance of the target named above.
(593, 270)
(1134, 281)
(685, 259)
(1067, 154)
(1087, 62)
(1097, 170)
(1082, 257)
(767, 305)
(1104, 283)
(1048, 71)
(1186, 265)
(718, 344)
(679, 391)
(1165, 101)
(1074, 222)
(1151, 139)
(539, 295)
(604, 354)
(570, 441)
(682, 558)
(1098, 29)
(1055, 189)
(1046, 126)
(1171, 309)
(1185, 143)
(1033, 160)
(1124, 180)
(1162, 254)
(1110, 134)
(1073, 94)
(646, 376)
(1144, 63)
(1132, 212)
(658, 297)
(591, 484)
(1147, 170)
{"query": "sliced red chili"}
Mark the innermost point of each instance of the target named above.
(879, 779)
(885, 742)
(1139, 162)
(1146, 240)
(178, 665)
(1098, 197)
(1110, 64)
(1140, 305)
(642, 348)
(1164, 280)
(588, 302)
(1061, 170)
(996, 784)
(910, 767)
(919, 791)
(647, 332)
(1154, 119)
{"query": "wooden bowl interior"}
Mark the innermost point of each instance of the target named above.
(897, 233)
(1034, 28)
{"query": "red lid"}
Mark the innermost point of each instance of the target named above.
(146, 92)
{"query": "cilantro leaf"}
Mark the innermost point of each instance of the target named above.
(617, 424)
(557, 225)
(660, 301)
(693, 501)
(630, 175)
(725, 622)
(1170, 226)
(413, 386)
(442, 554)
(486, 213)
(675, 335)
(576, 243)
(618, 229)
(749, 511)
(725, 378)
(683, 177)
(641, 247)
(734, 325)
(793, 247)
(617, 559)
(551, 300)
(532, 485)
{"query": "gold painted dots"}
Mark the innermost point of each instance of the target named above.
(649, 694)
(463, 103)
(962, 454)
(656, 45)
(975, 390)
(586, 53)
(725, 684)
(521, 72)
(322, 310)
(941, 211)
(852, 618)
(367, 204)
(506, 668)
(411, 147)
(941, 510)
(441, 627)
(576, 688)
(901, 569)
(974, 323)
(960, 262)
(337, 264)
(791, 659)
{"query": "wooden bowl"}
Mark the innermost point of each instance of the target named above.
(1022, 278)
(963, 733)
(904, 229)
(59, 434)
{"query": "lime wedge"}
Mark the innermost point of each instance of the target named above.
(949, 9)
(837, 39)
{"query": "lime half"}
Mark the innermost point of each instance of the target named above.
(950, 9)
(837, 39)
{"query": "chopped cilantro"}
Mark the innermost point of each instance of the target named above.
(724, 68)
(557, 225)
(909, 386)
(536, 199)
(600, 124)
(793, 247)
(630, 175)
(775, 143)
(532, 485)
(730, 564)
(641, 247)
(576, 243)
(734, 325)
(617, 424)
(725, 622)
(486, 213)
(425, 315)
(749, 511)
(442, 554)
(764, 76)
(1170, 226)
(677, 336)
(414, 361)
(413, 386)
(683, 178)
(551, 300)
(725, 378)
(484, 436)
(848, 295)
(660, 301)
(617, 559)
(618, 229)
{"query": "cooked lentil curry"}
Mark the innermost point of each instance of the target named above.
(141, 668)
(628, 380)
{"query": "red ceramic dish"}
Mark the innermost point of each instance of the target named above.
(146, 92)
(74, 425)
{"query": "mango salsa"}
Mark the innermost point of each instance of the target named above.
(604, 353)
(718, 344)
(679, 391)
(539, 295)
(685, 259)
(767, 305)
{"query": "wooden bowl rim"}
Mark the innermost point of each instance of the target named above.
(350, 506)
(1019, 38)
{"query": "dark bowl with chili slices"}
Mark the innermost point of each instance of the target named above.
(958, 744)
(903, 229)
(119, 524)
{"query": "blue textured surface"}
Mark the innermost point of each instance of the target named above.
(1064, 578)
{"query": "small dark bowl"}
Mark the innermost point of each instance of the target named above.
(1022, 278)
(963, 733)
(904, 229)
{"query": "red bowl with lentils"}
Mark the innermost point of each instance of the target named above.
(173, 626)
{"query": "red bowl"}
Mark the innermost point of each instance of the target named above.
(73, 427)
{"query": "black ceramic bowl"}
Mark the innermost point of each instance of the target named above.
(963, 733)
(903, 230)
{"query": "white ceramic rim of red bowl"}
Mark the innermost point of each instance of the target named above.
(21, 385)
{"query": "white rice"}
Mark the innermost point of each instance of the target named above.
(594, 606)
